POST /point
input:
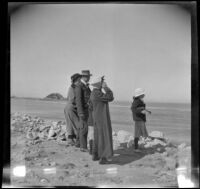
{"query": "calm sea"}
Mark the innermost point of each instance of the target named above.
(173, 119)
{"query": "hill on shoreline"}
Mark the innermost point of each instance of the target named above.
(52, 96)
(55, 96)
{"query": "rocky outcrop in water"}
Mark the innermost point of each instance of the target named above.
(54, 96)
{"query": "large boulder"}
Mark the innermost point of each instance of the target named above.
(153, 143)
(130, 142)
(123, 136)
(157, 134)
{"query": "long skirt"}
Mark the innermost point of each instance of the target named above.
(103, 143)
(140, 129)
(72, 120)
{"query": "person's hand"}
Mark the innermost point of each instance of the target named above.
(103, 90)
(143, 112)
(148, 111)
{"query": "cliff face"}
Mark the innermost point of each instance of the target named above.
(55, 96)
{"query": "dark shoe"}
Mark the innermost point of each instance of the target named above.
(103, 161)
(83, 149)
(73, 136)
(70, 142)
(77, 144)
(95, 158)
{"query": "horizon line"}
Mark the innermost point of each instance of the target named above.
(150, 101)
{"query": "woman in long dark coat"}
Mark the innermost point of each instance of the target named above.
(70, 110)
(103, 143)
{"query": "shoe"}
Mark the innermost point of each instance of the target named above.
(103, 161)
(83, 149)
(77, 145)
(70, 142)
(95, 158)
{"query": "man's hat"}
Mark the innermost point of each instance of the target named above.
(75, 77)
(86, 73)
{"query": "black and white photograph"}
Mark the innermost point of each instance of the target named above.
(100, 94)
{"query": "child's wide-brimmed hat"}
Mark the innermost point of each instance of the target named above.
(139, 92)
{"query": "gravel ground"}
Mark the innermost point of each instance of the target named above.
(49, 160)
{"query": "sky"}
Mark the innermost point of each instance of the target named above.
(133, 45)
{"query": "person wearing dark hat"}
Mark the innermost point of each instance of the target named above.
(70, 110)
(82, 93)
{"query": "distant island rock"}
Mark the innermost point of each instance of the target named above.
(55, 96)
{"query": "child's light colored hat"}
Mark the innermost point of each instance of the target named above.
(96, 81)
(139, 92)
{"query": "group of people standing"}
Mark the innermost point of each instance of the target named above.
(89, 109)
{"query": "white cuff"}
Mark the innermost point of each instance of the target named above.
(103, 90)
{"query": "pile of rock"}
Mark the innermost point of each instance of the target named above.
(126, 140)
(37, 129)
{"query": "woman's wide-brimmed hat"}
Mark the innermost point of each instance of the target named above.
(96, 82)
(139, 92)
(86, 73)
(75, 77)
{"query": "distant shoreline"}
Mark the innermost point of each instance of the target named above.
(116, 101)
(43, 99)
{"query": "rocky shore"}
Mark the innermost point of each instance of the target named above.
(42, 146)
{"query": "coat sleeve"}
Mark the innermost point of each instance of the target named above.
(68, 94)
(90, 105)
(79, 103)
(71, 95)
(137, 108)
(107, 97)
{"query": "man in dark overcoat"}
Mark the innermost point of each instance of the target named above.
(82, 93)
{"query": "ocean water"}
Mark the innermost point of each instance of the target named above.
(173, 119)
